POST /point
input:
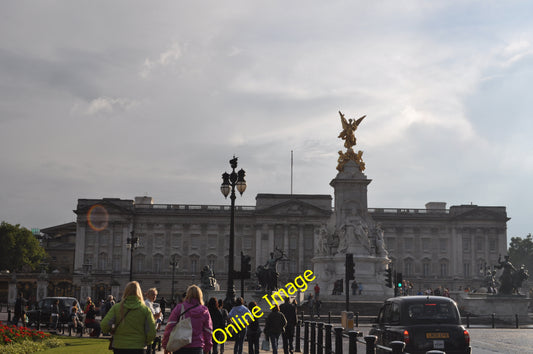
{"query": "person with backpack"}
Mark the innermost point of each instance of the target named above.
(202, 328)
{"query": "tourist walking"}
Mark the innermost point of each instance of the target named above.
(151, 295)
(274, 326)
(54, 314)
(253, 332)
(289, 311)
(91, 322)
(239, 310)
(192, 307)
(133, 321)
(225, 317)
(20, 310)
(216, 319)
(355, 287)
(163, 305)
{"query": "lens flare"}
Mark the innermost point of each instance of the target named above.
(97, 217)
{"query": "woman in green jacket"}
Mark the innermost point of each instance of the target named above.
(133, 322)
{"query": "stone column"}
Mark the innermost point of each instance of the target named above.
(80, 246)
(258, 245)
(12, 293)
(300, 249)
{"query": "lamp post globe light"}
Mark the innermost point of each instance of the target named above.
(229, 182)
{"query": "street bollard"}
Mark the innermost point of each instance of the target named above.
(306, 337)
(313, 337)
(297, 345)
(329, 317)
(338, 340)
(357, 319)
(371, 344)
(493, 315)
(516, 320)
(328, 338)
(397, 347)
(352, 348)
(320, 338)
(8, 315)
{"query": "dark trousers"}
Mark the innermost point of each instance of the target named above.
(288, 336)
(274, 338)
(217, 348)
(16, 317)
(239, 342)
(253, 343)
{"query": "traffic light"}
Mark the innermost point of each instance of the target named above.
(399, 280)
(388, 277)
(246, 267)
(350, 267)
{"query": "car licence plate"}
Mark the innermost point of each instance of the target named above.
(438, 344)
(437, 335)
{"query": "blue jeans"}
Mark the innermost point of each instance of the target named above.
(274, 342)
(239, 342)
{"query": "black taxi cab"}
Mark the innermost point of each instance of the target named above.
(423, 323)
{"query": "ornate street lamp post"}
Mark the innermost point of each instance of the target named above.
(229, 182)
(132, 242)
(173, 264)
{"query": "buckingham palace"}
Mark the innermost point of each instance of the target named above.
(432, 246)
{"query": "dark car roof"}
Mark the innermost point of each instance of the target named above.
(417, 299)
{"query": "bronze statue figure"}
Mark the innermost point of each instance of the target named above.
(348, 128)
(347, 134)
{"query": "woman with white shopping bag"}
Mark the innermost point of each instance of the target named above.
(195, 319)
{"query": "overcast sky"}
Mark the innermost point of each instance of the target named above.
(127, 98)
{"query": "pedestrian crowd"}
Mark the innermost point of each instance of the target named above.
(134, 321)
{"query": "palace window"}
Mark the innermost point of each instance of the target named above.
(116, 263)
(443, 245)
(195, 241)
(408, 244)
(426, 244)
(426, 268)
(246, 243)
(466, 270)
(492, 245)
(159, 240)
(466, 244)
(176, 240)
(156, 263)
(444, 269)
(212, 241)
(194, 265)
(102, 261)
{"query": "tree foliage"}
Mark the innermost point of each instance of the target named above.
(521, 252)
(19, 248)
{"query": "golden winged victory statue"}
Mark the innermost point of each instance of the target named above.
(347, 134)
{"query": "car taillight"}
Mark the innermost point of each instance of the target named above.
(406, 336)
(467, 337)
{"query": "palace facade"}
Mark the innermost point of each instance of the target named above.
(434, 246)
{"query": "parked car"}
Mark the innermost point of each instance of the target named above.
(424, 323)
(42, 311)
